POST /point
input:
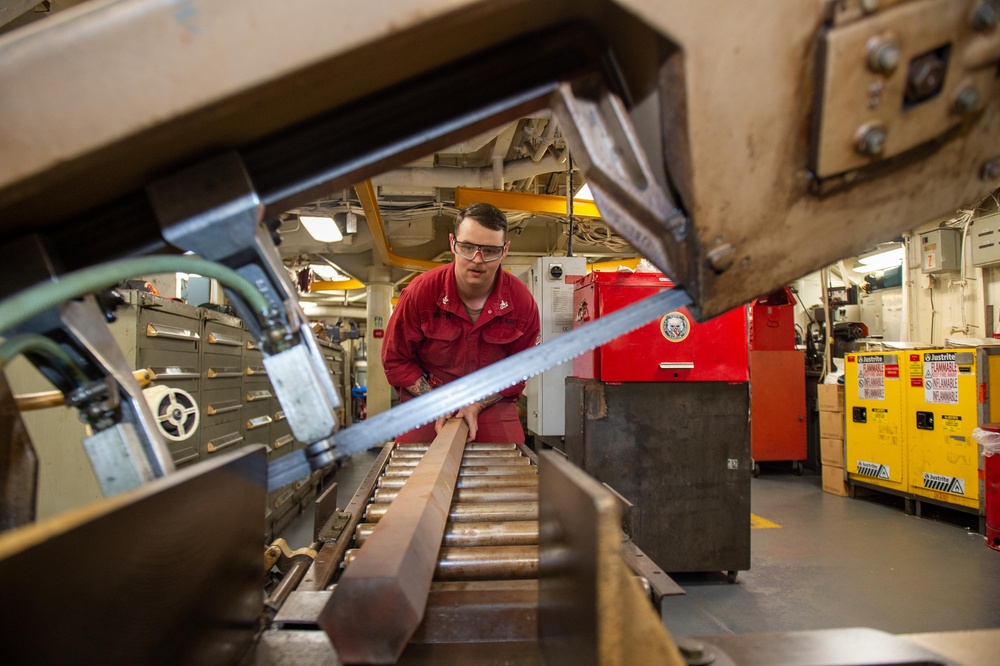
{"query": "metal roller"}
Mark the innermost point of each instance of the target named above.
(505, 494)
(471, 446)
(479, 563)
(527, 479)
(466, 462)
(470, 470)
(487, 563)
(472, 512)
(456, 535)
(402, 454)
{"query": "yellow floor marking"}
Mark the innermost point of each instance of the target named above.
(756, 522)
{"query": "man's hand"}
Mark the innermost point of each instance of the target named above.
(471, 415)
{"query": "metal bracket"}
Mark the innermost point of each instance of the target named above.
(213, 210)
(607, 149)
(134, 443)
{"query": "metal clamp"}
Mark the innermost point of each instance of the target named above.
(212, 209)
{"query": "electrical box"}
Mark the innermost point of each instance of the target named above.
(551, 281)
(941, 251)
(985, 233)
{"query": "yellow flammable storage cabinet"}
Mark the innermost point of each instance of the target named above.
(948, 394)
(874, 429)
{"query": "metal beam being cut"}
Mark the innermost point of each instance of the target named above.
(379, 601)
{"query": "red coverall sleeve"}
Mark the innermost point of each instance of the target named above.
(403, 336)
(529, 339)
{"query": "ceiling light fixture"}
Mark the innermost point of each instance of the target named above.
(322, 228)
(886, 256)
(327, 272)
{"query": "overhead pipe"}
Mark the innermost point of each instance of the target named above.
(482, 177)
(369, 203)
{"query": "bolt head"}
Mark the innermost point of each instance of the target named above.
(721, 257)
(870, 6)
(871, 140)
(884, 56)
(985, 17)
(967, 100)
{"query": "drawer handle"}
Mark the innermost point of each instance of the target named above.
(284, 497)
(223, 442)
(172, 332)
(279, 416)
(223, 407)
(251, 345)
(255, 396)
(221, 373)
(172, 372)
(258, 422)
(224, 340)
(677, 365)
(256, 370)
(281, 441)
(187, 458)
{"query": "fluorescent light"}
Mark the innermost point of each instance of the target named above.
(323, 229)
(327, 272)
(877, 261)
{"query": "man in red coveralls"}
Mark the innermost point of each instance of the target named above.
(461, 317)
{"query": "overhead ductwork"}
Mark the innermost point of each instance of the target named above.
(483, 178)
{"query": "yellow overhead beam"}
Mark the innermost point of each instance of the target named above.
(522, 201)
(369, 202)
(613, 265)
(338, 285)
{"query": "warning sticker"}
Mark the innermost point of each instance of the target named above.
(880, 415)
(951, 423)
(874, 470)
(941, 378)
(871, 378)
(944, 484)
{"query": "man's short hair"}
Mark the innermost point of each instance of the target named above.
(485, 214)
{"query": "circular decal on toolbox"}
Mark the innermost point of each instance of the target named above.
(675, 326)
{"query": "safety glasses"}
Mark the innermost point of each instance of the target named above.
(469, 250)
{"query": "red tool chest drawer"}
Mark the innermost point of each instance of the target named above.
(772, 322)
(673, 348)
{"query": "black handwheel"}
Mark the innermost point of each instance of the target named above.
(731, 576)
(797, 468)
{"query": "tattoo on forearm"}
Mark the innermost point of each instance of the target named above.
(490, 400)
(420, 386)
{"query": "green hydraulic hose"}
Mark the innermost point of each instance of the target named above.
(39, 298)
(30, 342)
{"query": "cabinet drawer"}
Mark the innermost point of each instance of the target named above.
(222, 406)
(178, 369)
(221, 339)
(166, 331)
(225, 437)
(184, 453)
(221, 371)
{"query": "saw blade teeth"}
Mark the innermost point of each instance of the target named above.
(486, 381)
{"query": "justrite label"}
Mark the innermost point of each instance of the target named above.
(874, 470)
(945, 484)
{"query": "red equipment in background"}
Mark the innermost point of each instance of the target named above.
(674, 348)
(777, 383)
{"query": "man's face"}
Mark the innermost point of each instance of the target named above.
(476, 274)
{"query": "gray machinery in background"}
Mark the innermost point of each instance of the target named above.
(551, 283)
